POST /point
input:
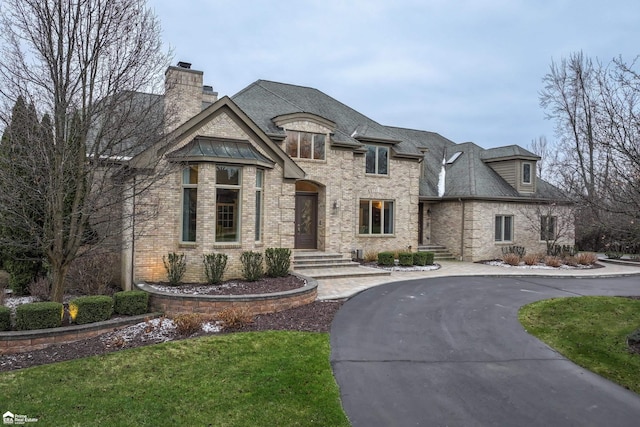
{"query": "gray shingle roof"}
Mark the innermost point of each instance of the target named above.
(264, 100)
(468, 176)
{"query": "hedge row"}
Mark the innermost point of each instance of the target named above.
(406, 259)
(82, 310)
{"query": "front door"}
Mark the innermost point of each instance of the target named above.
(306, 221)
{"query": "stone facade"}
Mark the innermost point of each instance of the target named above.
(473, 239)
(337, 182)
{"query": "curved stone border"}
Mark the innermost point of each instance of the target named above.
(171, 304)
(36, 339)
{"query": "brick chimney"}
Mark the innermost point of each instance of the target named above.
(185, 95)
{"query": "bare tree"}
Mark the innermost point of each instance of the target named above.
(570, 97)
(541, 147)
(552, 222)
(91, 66)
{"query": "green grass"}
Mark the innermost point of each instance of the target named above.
(245, 379)
(591, 332)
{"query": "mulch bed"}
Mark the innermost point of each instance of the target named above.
(265, 285)
(314, 317)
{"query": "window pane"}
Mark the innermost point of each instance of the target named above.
(259, 178)
(305, 145)
(498, 229)
(258, 215)
(371, 160)
(526, 173)
(318, 147)
(291, 144)
(388, 217)
(190, 175)
(364, 217)
(226, 215)
(189, 207)
(227, 175)
(376, 217)
(383, 154)
(508, 231)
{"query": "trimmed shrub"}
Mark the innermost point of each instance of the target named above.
(5, 318)
(385, 258)
(214, 266)
(278, 261)
(176, 265)
(430, 257)
(251, 265)
(131, 303)
(420, 258)
(188, 324)
(405, 259)
(39, 315)
(511, 259)
(90, 309)
(587, 258)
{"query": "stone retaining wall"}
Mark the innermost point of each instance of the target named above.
(172, 304)
(22, 341)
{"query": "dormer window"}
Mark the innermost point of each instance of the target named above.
(526, 173)
(305, 145)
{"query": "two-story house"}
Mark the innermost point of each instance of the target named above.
(279, 165)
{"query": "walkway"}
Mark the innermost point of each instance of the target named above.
(348, 287)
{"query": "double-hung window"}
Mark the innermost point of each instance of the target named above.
(504, 228)
(547, 227)
(377, 160)
(376, 217)
(228, 181)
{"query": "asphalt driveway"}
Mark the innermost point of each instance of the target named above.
(451, 352)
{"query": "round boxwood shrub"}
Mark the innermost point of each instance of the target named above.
(39, 315)
(405, 259)
(130, 303)
(5, 318)
(385, 258)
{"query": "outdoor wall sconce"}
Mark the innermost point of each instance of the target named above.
(335, 205)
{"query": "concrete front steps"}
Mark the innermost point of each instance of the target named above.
(441, 253)
(325, 265)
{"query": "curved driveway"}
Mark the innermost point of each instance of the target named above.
(451, 352)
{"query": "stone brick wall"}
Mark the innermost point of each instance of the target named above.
(479, 232)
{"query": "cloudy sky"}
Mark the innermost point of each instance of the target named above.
(470, 70)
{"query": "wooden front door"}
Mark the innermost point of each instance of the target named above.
(306, 221)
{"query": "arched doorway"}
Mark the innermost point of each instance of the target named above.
(306, 225)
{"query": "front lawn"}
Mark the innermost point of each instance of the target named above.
(245, 379)
(591, 332)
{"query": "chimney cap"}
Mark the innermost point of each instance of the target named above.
(186, 65)
(207, 88)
